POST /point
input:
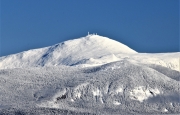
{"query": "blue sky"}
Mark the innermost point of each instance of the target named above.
(150, 26)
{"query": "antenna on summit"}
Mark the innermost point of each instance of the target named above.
(88, 33)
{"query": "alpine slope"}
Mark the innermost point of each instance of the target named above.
(89, 75)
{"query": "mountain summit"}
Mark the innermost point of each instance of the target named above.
(92, 50)
(70, 52)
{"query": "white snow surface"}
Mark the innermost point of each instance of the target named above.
(67, 53)
(92, 50)
(141, 93)
(90, 89)
(92, 74)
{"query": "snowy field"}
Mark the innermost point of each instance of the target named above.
(89, 75)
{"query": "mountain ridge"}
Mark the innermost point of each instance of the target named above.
(91, 50)
(91, 46)
(119, 86)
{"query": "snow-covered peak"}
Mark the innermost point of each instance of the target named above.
(98, 42)
(66, 53)
(110, 43)
(91, 50)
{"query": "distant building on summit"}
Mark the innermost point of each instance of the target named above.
(92, 34)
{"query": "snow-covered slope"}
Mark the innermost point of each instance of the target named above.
(91, 50)
(89, 75)
(66, 53)
(114, 88)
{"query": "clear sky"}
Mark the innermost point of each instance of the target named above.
(150, 26)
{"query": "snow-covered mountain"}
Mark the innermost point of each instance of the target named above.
(67, 53)
(119, 87)
(91, 50)
(89, 75)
